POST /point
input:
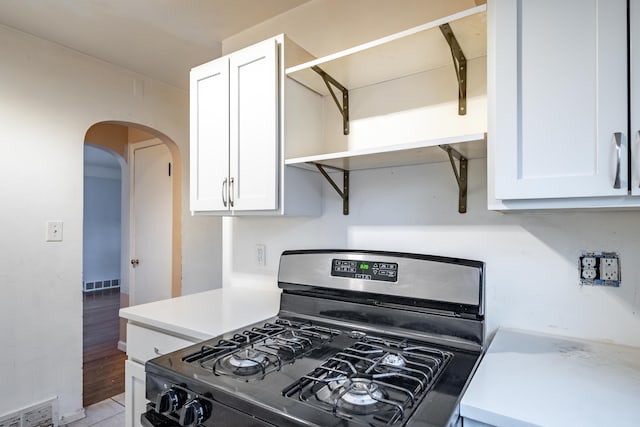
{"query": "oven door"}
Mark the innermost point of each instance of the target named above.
(221, 416)
(152, 419)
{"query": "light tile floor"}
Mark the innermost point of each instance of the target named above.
(108, 413)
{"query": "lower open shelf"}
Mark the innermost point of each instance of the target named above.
(470, 146)
(460, 148)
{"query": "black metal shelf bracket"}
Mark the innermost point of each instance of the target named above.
(460, 65)
(461, 176)
(344, 192)
(344, 107)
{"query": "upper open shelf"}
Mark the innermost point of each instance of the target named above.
(386, 58)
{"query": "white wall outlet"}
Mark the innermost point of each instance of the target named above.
(600, 269)
(261, 254)
(588, 262)
(54, 231)
(589, 273)
(609, 269)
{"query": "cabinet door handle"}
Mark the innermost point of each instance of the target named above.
(637, 138)
(231, 191)
(618, 139)
(224, 192)
(157, 351)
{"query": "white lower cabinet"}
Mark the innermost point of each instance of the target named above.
(143, 344)
(134, 384)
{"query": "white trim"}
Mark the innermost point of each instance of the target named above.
(73, 416)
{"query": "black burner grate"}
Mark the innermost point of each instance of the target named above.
(252, 354)
(376, 379)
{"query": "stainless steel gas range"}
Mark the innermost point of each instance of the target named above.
(362, 338)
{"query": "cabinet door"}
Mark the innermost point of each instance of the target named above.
(209, 115)
(135, 400)
(559, 86)
(253, 124)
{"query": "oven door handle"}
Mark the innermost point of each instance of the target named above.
(152, 419)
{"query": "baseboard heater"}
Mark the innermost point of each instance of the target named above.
(100, 285)
(43, 414)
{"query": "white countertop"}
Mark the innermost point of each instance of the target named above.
(207, 314)
(529, 379)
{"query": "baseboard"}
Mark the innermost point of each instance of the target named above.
(100, 285)
(73, 416)
(122, 346)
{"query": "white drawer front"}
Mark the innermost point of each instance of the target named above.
(144, 344)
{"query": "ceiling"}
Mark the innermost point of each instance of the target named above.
(161, 39)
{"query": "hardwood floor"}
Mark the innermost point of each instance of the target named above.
(103, 363)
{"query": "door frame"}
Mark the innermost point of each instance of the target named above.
(118, 136)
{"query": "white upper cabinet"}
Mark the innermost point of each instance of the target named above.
(237, 147)
(558, 98)
(634, 47)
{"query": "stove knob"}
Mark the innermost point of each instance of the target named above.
(169, 401)
(193, 413)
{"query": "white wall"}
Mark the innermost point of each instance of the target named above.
(101, 231)
(50, 97)
(531, 258)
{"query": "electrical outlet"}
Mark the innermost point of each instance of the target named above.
(600, 269)
(609, 269)
(588, 262)
(261, 257)
(589, 273)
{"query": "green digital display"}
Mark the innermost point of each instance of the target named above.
(364, 266)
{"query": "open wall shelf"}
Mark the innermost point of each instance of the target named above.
(415, 50)
(409, 96)
(471, 146)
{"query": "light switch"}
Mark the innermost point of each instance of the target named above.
(54, 231)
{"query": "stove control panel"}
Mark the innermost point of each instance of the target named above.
(181, 407)
(368, 270)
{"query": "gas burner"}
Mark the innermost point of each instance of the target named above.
(248, 358)
(246, 364)
(393, 360)
(352, 396)
(361, 392)
(293, 338)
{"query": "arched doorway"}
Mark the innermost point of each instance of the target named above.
(125, 141)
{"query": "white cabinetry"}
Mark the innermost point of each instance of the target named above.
(402, 99)
(143, 344)
(558, 111)
(634, 81)
(134, 393)
(237, 146)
